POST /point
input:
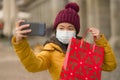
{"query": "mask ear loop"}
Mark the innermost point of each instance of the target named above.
(82, 40)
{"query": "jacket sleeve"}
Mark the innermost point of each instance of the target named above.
(109, 63)
(32, 62)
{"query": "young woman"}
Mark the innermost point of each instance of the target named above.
(66, 26)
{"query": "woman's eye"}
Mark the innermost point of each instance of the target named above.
(70, 29)
(61, 28)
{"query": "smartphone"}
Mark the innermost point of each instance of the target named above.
(38, 29)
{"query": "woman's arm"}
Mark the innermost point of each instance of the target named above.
(109, 63)
(32, 62)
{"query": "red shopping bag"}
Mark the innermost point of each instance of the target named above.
(83, 61)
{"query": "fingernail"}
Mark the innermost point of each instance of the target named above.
(30, 30)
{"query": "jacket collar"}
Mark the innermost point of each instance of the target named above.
(56, 44)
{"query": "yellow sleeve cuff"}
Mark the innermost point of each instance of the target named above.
(20, 43)
(101, 41)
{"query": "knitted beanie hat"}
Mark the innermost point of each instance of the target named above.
(69, 14)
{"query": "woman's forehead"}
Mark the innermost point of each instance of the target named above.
(66, 24)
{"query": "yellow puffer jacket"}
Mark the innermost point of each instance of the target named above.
(52, 57)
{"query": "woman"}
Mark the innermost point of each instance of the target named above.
(66, 26)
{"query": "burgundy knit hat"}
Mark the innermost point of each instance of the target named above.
(69, 14)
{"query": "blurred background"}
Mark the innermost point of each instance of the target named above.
(102, 14)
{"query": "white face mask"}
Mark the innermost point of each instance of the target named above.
(65, 36)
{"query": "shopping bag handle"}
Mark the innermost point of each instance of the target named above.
(82, 40)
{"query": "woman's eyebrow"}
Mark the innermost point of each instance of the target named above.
(62, 25)
(70, 26)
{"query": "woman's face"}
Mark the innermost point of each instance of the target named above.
(64, 32)
(66, 26)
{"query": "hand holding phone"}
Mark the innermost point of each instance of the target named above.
(37, 29)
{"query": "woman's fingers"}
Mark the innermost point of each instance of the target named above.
(22, 27)
(24, 31)
(17, 24)
(20, 31)
(94, 31)
(21, 34)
